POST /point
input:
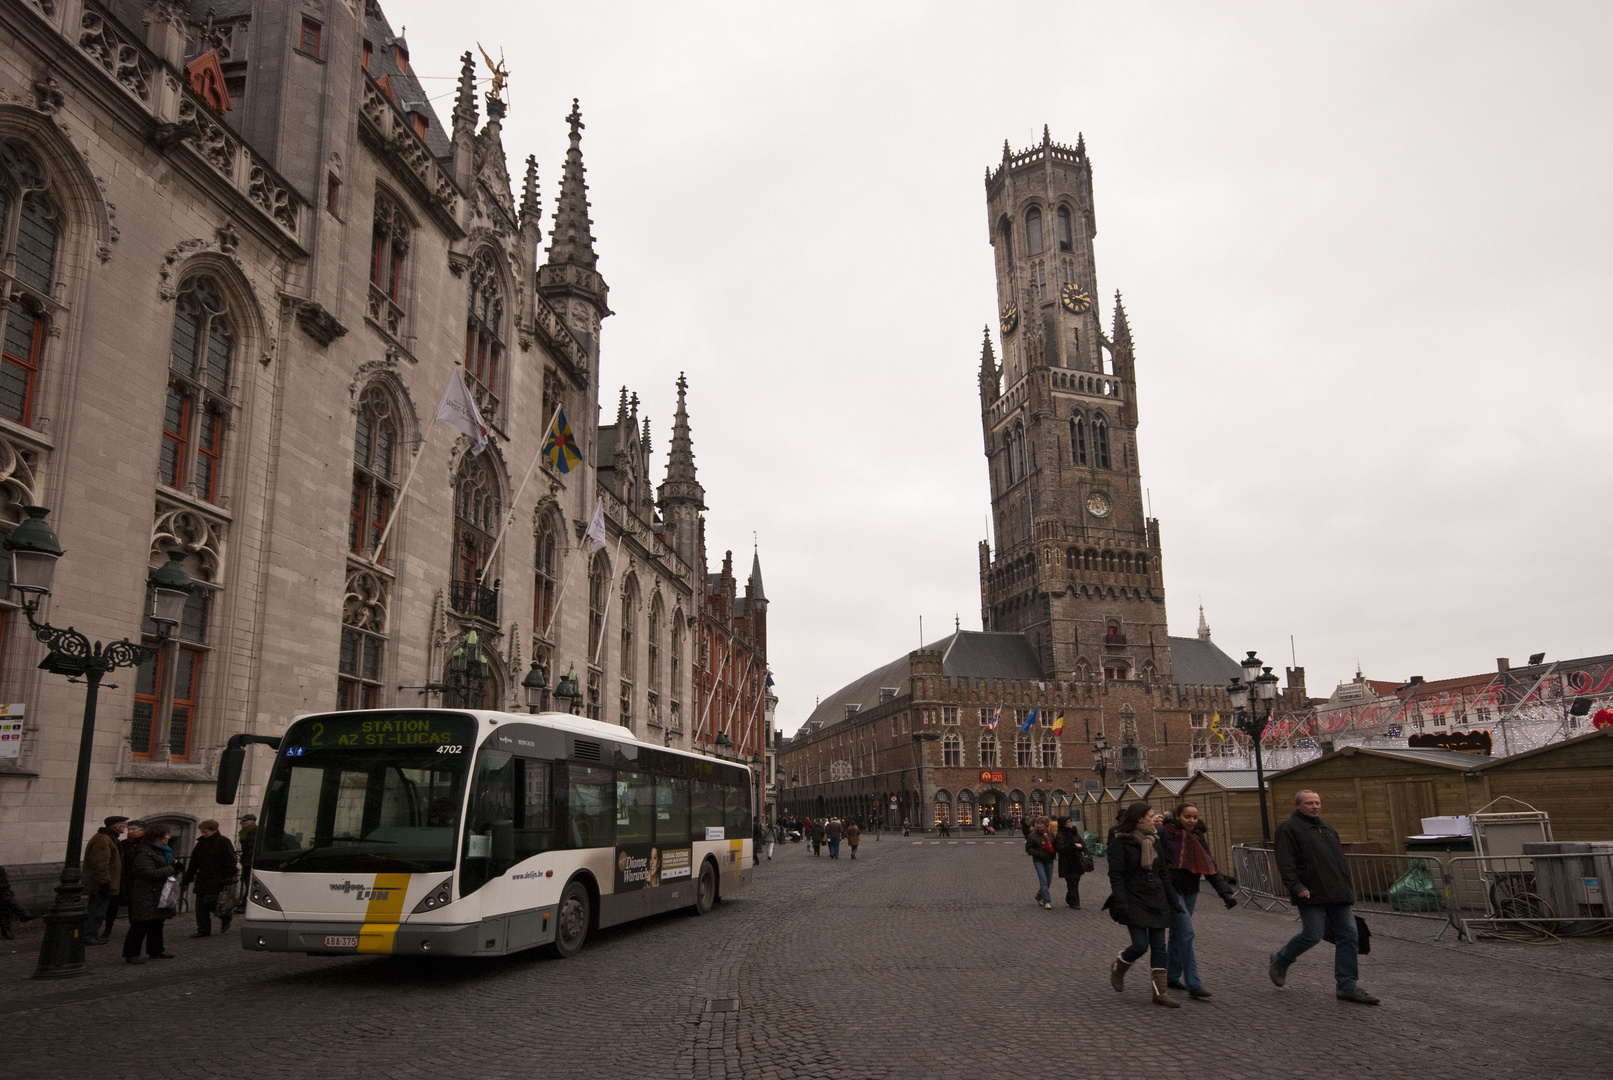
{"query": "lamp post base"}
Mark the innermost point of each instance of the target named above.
(61, 955)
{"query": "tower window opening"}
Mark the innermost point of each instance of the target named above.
(1078, 440)
(1065, 241)
(1033, 231)
(1100, 442)
(1005, 228)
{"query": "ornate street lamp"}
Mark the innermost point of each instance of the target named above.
(467, 666)
(537, 691)
(1100, 762)
(34, 550)
(724, 744)
(566, 690)
(1253, 699)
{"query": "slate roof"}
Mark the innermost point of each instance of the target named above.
(1232, 779)
(966, 654)
(1200, 663)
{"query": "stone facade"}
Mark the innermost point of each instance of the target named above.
(228, 333)
(1073, 592)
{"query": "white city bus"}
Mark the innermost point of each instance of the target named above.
(463, 832)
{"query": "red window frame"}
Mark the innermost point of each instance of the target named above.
(213, 422)
(481, 355)
(420, 123)
(178, 438)
(309, 39)
(369, 50)
(184, 698)
(29, 363)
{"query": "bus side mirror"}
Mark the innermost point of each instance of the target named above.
(504, 842)
(229, 773)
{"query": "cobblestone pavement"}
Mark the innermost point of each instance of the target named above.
(920, 959)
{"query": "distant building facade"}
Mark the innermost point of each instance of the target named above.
(1073, 590)
(242, 259)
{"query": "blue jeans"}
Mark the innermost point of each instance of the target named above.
(834, 848)
(1044, 880)
(1183, 965)
(1146, 940)
(1314, 919)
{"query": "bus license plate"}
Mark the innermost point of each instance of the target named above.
(341, 941)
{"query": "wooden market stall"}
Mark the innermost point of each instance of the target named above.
(1572, 781)
(1376, 798)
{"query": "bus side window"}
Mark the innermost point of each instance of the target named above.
(736, 805)
(591, 805)
(534, 810)
(491, 821)
(635, 808)
(708, 798)
(671, 811)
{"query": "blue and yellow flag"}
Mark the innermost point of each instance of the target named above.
(561, 446)
(1029, 720)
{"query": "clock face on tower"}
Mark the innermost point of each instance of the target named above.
(1009, 317)
(1075, 298)
(1098, 504)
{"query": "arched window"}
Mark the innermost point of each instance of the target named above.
(374, 449)
(1091, 559)
(1066, 240)
(1033, 231)
(1078, 439)
(675, 674)
(952, 752)
(1142, 564)
(1050, 752)
(598, 590)
(484, 331)
(364, 618)
(943, 808)
(1100, 441)
(966, 807)
(1022, 752)
(389, 246)
(1125, 562)
(476, 520)
(1108, 562)
(652, 649)
(545, 567)
(1005, 229)
(1008, 454)
(28, 234)
(1038, 804)
(629, 669)
(988, 751)
(201, 355)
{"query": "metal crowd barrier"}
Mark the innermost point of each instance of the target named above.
(1508, 896)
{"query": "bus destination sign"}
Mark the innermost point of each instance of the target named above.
(413, 731)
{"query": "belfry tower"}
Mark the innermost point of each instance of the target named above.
(1076, 566)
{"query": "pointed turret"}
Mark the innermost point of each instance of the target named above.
(531, 206)
(988, 370)
(621, 407)
(681, 497)
(571, 270)
(754, 583)
(464, 125)
(570, 242)
(1204, 627)
(756, 603)
(1122, 335)
(1047, 136)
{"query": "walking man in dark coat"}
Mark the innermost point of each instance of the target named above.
(212, 867)
(1317, 876)
(102, 877)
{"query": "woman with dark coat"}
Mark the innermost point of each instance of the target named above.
(1141, 896)
(1187, 852)
(149, 869)
(1070, 847)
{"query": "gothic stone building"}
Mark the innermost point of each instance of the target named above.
(1073, 592)
(242, 259)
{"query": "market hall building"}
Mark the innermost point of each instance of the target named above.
(1073, 588)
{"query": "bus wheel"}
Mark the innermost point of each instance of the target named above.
(705, 893)
(571, 926)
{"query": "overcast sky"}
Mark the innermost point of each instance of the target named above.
(1364, 250)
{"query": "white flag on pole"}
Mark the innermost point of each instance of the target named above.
(596, 530)
(458, 410)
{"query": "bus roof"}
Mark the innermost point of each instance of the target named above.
(577, 725)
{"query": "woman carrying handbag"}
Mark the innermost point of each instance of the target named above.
(153, 896)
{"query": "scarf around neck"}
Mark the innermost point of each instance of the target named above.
(1190, 853)
(1145, 837)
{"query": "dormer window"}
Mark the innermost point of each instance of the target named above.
(401, 55)
(420, 123)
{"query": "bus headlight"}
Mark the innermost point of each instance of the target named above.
(437, 897)
(262, 896)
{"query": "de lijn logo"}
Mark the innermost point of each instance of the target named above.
(365, 892)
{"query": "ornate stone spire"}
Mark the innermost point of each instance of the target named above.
(531, 210)
(621, 412)
(680, 471)
(644, 437)
(988, 368)
(1122, 338)
(1204, 627)
(1047, 136)
(465, 99)
(570, 242)
(755, 580)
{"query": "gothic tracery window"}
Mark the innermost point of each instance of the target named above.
(1050, 752)
(29, 229)
(364, 627)
(1022, 752)
(1100, 441)
(1078, 439)
(652, 647)
(476, 521)
(675, 672)
(1033, 231)
(543, 593)
(628, 669)
(375, 441)
(952, 752)
(1066, 242)
(484, 335)
(389, 247)
(201, 356)
(988, 751)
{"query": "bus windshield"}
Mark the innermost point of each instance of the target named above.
(371, 792)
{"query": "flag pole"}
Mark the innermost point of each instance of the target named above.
(397, 502)
(510, 519)
(565, 581)
(604, 617)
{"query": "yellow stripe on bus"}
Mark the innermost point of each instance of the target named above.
(382, 916)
